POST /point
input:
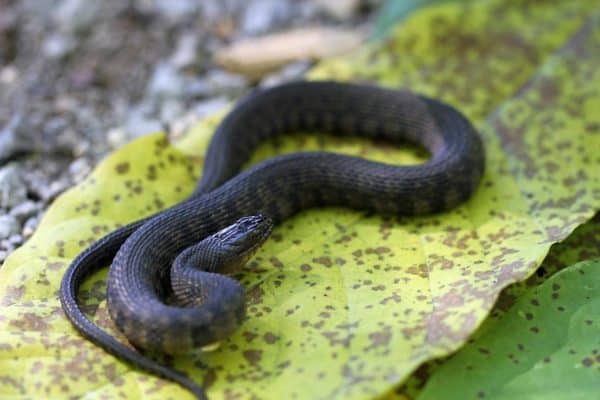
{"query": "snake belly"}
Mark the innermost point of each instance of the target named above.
(277, 188)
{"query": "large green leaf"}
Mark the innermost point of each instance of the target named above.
(582, 244)
(341, 303)
(547, 346)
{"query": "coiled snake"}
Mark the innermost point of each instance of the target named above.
(231, 213)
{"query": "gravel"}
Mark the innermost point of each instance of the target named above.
(25, 210)
(263, 15)
(12, 190)
(217, 83)
(166, 82)
(293, 71)
(8, 226)
(79, 79)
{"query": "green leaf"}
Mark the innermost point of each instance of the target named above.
(344, 304)
(582, 244)
(547, 346)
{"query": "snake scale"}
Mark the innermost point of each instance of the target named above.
(216, 229)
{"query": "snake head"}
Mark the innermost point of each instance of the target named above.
(242, 238)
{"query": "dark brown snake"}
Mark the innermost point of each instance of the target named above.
(217, 228)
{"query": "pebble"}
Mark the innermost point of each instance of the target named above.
(217, 83)
(116, 137)
(12, 187)
(36, 181)
(57, 187)
(170, 110)
(207, 107)
(180, 126)
(166, 82)
(79, 169)
(175, 11)
(141, 121)
(73, 15)
(186, 52)
(8, 226)
(8, 75)
(30, 225)
(262, 15)
(25, 210)
(58, 45)
(290, 72)
(12, 141)
(8, 19)
(15, 240)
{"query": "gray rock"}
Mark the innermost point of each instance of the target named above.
(5, 245)
(170, 110)
(49, 193)
(176, 10)
(116, 137)
(8, 226)
(73, 15)
(79, 169)
(9, 19)
(58, 45)
(141, 121)
(217, 83)
(15, 240)
(262, 15)
(9, 74)
(166, 82)
(186, 52)
(41, 8)
(207, 107)
(212, 10)
(290, 72)
(30, 226)
(35, 181)
(13, 139)
(25, 210)
(12, 187)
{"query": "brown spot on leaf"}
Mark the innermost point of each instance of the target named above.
(30, 322)
(587, 362)
(253, 356)
(122, 168)
(379, 339)
(323, 260)
(55, 266)
(270, 338)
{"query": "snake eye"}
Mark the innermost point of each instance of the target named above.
(251, 221)
(246, 231)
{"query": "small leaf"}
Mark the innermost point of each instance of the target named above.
(546, 347)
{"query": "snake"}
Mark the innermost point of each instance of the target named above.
(169, 285)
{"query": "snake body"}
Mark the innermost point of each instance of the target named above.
(139, 278)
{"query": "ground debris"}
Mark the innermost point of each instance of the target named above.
(79, 79)
(255, 57)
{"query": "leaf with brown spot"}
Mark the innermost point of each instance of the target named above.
(560, 339)
(441, 275)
